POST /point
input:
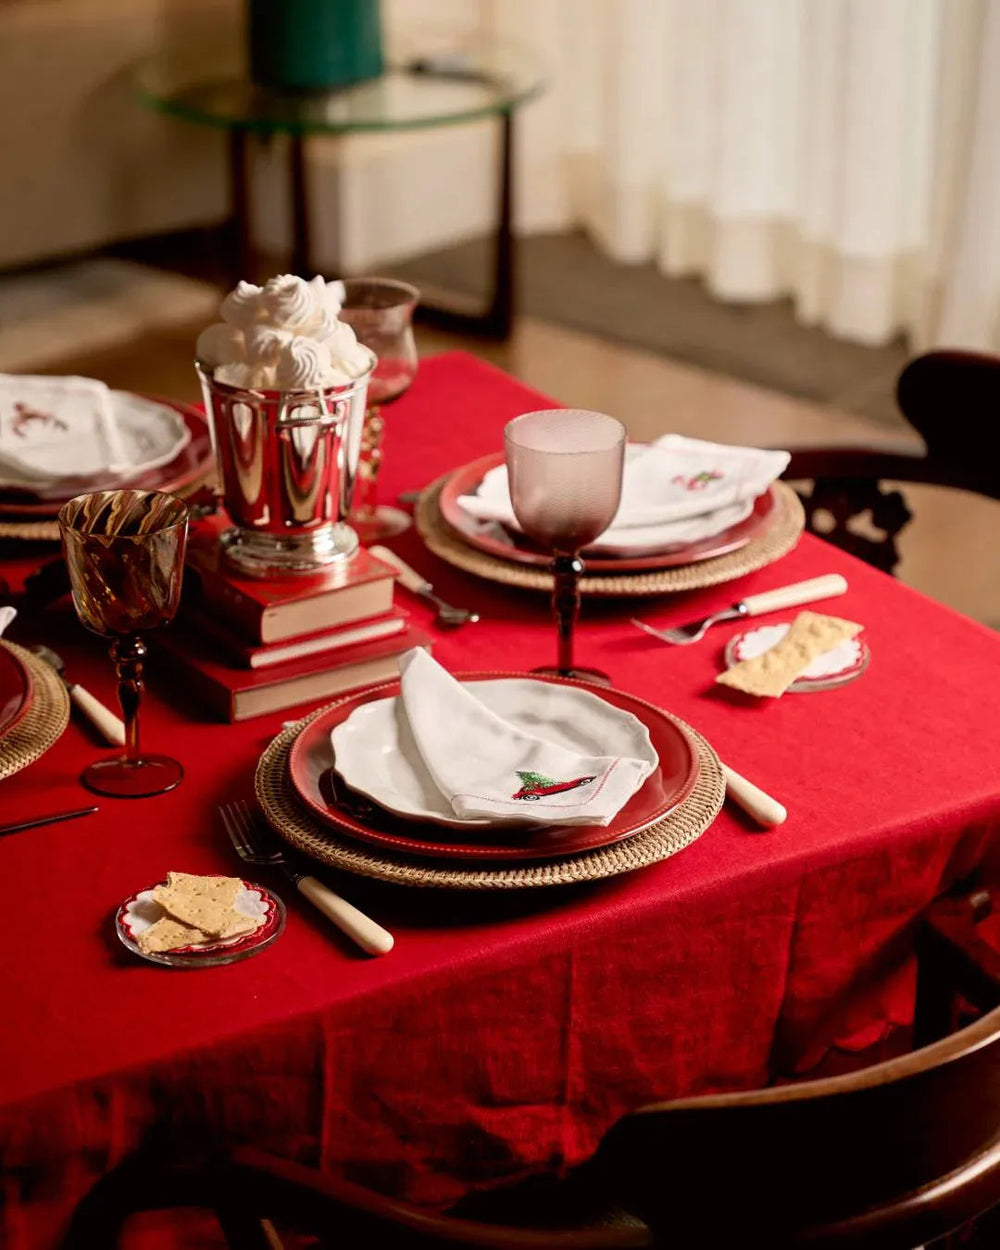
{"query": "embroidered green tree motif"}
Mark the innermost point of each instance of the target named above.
(530, 780)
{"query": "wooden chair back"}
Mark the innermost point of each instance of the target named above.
(889, 1157)
(952, 399)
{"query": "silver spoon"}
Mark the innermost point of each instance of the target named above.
(418, 585)
(111, 727)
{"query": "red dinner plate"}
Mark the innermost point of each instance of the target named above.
(189, 465)
(324, 794)
(521, 550)
(15, 690)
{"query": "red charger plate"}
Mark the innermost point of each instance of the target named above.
(323, 793)
(15, 691)
(189, 465)
(465, 480)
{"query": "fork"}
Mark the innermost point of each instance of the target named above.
(753, 605)
(256, 845)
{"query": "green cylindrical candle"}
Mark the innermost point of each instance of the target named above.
(312, 45)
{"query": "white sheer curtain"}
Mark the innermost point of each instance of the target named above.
(845, 153)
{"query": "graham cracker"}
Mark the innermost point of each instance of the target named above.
(167, 934)
(200, 884)
(238, 924)
(771, 673)
(204, 903)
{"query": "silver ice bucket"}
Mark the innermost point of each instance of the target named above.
(288, 461)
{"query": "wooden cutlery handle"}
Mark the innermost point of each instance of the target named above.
(371, 937)
(410, 578)
(801, 592)
(765, 810)
(110, 726)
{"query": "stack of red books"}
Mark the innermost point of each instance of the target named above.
(248, 645)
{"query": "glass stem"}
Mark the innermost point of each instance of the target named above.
(566, 572)
(128, 655)
(370, 463)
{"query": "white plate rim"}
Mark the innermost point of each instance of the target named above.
(803, 684)
(376, 709)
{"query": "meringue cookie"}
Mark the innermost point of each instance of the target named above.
(246, 376)
(302, 364)
(335, 377)
(329, 297)
(336, 293)
(289, 302)
(322, 326)
(346, 353)
(265, 343)
(242, 306)
(319, 289)
(221, 344)
(285, 335)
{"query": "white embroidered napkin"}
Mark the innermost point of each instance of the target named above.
(665, 483)
(487, 767)
(59, 427)
(7, 615)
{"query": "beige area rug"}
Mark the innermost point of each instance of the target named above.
(564, 278)
(50, 314)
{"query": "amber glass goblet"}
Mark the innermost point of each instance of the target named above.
(564, 468)
(125, 555)
(380, 311)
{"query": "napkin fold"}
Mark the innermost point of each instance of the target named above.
(666, 482)
(487, 767)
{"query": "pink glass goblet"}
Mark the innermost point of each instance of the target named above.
(564, 468)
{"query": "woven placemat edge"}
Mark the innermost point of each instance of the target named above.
(708, 794)
(44, 722)
(776, 542)
(47, 530)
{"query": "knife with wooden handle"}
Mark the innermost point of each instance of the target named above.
(765, 810)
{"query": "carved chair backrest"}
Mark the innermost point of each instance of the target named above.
(952, 399)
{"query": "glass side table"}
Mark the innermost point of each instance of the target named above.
(211, 88)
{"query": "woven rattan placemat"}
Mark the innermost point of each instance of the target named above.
(677, 830)
(779, 538)
(44, 721)
(30, 531)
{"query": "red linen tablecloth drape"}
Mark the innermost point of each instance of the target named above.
(502, 1035)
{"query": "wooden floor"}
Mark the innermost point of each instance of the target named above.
(950, 551)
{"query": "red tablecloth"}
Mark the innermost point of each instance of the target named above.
(502, 1034)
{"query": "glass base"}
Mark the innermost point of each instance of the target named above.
(385, 523)
(120, 779)
(576, 674)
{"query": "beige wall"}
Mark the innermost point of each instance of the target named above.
(82, 163)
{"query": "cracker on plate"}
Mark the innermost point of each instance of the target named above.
(773, 671)
(204, 903)
(166, 934)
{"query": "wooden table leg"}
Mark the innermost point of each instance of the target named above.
(500, 314)
(242, 259)
(496, 320)
(301, 243)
